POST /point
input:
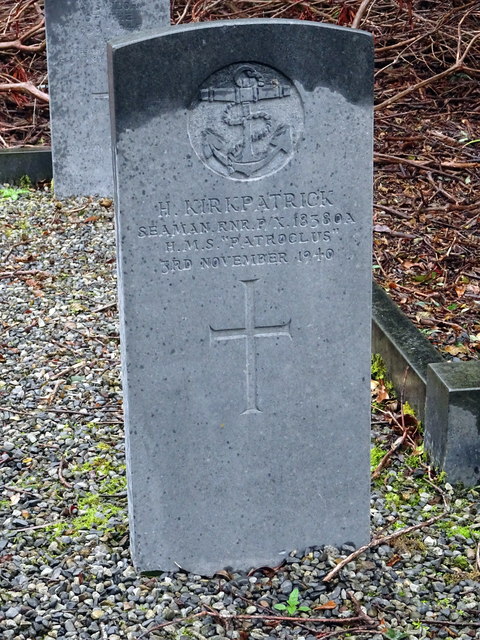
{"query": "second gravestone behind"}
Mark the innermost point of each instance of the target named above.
(243, 194)
(77, 34)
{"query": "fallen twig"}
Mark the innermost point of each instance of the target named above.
(450, 623)
(37, 526)
(61, 466)
(242, 616)
(68, 370)
(259, 616)
(359, 15)
(78, 209)
(339, 632)
(445, 497)
(18, 42)
(31, 272)
(360, 612)
(110, 305)
(51, 396)
(394, 212)
(14, 246)
(172, 622)
(426, 165)
(377, 541)
(25, 87)
(395, 447)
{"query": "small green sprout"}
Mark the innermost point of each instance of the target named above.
(291, 606)
(393, 634)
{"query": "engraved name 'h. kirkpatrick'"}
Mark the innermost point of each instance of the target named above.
(250, 332)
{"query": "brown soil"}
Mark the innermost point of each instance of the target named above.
(427, 142)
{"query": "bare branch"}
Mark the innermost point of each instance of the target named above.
(25, 87)
(378, 541)
(359, 15)
(18, 42)
(459, 64)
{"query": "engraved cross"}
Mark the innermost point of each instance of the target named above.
(250, 332)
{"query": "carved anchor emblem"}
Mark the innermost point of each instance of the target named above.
(257, 145)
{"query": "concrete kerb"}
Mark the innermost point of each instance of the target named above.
(445, 395)
(34, 163)
(405, 351)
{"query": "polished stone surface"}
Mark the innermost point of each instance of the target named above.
(35, 164)
(452, 421)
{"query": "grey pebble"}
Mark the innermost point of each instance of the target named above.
(12, 612)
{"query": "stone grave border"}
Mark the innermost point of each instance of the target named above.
(445, 395)
(409, 357)
(413, 364)
(34, 163)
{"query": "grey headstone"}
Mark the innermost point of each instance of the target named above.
(77, 35)
(243, 155)
(452, 420)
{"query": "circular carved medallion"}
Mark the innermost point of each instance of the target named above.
(246, 121)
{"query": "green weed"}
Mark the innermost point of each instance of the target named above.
(94, 514)
(416, 458)
(378, 368)
(291, 607)
(376, 454)
(393, 634)
(11, 193)
(461, 562)
(25, 182)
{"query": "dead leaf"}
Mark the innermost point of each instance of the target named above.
(454, 349)
(381, 625)
(331, 604)
(15, 499)
(423, 317)
(380, 393)
(346, 15)
(267, 571)
(392, 405)
(223, 573)
(91, 219)
(393, 561)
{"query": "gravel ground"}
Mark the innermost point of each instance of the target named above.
(65, 568)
